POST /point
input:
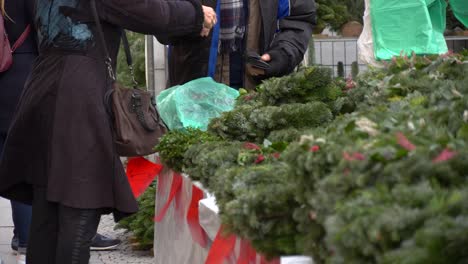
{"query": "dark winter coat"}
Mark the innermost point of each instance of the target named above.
(12, 81)
(287, 27)
(61, 135)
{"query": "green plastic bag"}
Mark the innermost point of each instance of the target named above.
(408, 26)
(460, 10)
(195, 103)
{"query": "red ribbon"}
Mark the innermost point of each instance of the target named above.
(221, 248)
(314, 148)
(251, 146)
(354, 156)
(179, 206)
(247, 253)
(260, 159)
(198, 234)
(404, 142)
(141, 173)
(175, 189)
(445, 155)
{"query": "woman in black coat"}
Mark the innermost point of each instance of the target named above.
(60, 148)
(18, 14)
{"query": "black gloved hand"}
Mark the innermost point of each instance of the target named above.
(280, 63)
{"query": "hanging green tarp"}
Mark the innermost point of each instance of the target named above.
(460, 10)
(408, 26)
(438, 13)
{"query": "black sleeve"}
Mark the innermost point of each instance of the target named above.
(154, 17)
(188, 39)
(290, 43)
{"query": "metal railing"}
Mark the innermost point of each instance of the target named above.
(329, 52)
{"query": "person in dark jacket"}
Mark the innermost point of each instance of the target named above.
(277, 30)
(17, 15)
(60, 155)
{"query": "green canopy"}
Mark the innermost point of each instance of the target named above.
(408, 26)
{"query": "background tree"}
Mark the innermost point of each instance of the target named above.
(331, 13)
(355, 9)
(137, 48)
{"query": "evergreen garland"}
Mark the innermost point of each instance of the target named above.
(309, 84)
(175, 143)
(141, 224)
(303, 99)
(377, 175)
(361, 162)
(256, 202)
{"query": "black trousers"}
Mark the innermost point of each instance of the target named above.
(60, 234)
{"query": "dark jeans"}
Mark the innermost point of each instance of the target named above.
(21, 220)
(21, 212)
(60, 234)
(236, 70)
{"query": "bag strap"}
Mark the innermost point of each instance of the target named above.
(128, 55)
(100, 32)
(22, 38)
(126, 46)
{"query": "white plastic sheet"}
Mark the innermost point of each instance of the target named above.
(173, 243)
(209, 219)
(365, 42)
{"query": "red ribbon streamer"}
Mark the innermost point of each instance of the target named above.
(198, 234)
(251, 146)
(221, 249)
(354, 156)
(445, 155)
(141, 173)
(175, 188)
(247, 253)
(180, 206)
(404, 142)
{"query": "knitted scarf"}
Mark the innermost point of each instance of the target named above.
(232, 25)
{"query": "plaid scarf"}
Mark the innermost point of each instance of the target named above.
(232, 25)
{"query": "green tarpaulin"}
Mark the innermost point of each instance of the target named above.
(408, 26)
(460, 9)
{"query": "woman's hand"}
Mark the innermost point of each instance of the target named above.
(209, 22)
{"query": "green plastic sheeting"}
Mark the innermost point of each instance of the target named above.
(460, 10)
(438, 13)
(195, 103)
(408, 26)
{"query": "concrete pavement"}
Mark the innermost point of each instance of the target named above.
(6, 231)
